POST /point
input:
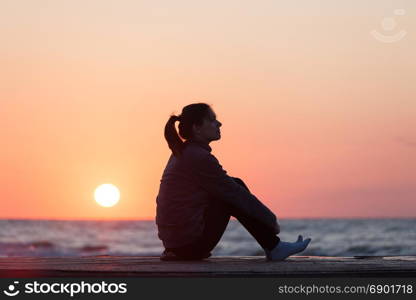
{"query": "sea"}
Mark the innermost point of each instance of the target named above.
(330, 237)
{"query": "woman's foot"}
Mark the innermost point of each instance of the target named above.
(284, 249)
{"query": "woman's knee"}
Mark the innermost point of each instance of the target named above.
(240, 182)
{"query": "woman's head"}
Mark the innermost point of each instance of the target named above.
(196, 122)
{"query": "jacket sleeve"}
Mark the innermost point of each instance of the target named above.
(214, 179)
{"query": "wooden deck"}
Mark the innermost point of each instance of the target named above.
(237, 266)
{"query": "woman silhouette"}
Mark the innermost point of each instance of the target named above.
(197, 198)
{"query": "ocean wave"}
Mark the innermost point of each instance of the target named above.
(330, 237)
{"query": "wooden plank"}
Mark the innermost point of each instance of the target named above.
(237, 266)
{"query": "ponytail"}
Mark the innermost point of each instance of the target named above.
(171, 135)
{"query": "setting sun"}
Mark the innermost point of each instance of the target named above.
(107, 195)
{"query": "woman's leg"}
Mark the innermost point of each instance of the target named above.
(263, 234)
(216, 218)
(275, 249)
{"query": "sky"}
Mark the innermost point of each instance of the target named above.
(316, 98)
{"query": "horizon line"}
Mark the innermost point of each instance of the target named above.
(153, 219)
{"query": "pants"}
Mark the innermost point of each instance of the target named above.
(216, 218)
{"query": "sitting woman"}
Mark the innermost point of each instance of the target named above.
(197, 198)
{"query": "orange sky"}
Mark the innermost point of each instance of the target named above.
(318, 115)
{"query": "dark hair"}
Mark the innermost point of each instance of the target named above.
(192, 114)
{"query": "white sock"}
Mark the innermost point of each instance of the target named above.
(285, 249)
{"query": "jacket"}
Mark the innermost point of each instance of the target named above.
(186, 187)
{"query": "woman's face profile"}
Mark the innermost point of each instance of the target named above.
(209, 130)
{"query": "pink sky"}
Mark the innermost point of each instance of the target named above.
(318, 115)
